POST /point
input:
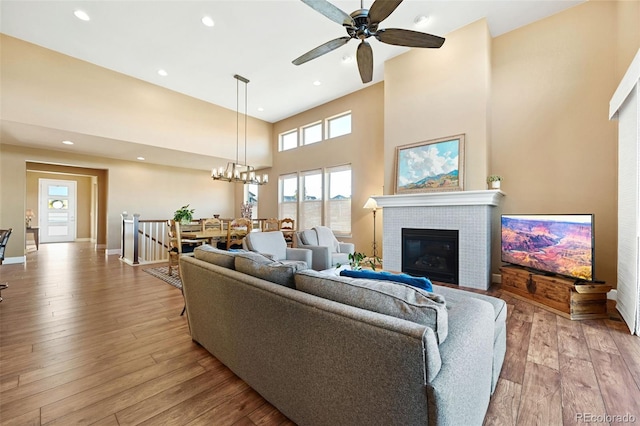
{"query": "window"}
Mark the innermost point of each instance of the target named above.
(251, 197)
(311, 203)
(339, 125)
(312, 133)
(288, 188)
(325, 199)
(288, 140)
(338, 206)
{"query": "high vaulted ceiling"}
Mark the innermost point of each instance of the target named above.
(257, 39)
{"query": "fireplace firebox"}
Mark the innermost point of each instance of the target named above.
(431, 253)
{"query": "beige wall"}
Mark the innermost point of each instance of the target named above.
(48, 89)
(434, 93)
(154, 192)
(83, 197)
(552, 141)
(363, 149)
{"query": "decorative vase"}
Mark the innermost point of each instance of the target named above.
(185, 221)
(495, 184)
(246, 210)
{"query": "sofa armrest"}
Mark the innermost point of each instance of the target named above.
(303, 254)
(347, 248)
(320, 257)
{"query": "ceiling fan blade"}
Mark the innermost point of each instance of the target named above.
(381, 9)
(400, 37)
(321, 50)
(365, 61)
(330, 11)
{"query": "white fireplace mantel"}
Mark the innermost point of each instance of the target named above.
(435, 199)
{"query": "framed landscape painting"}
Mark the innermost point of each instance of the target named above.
(430, 166)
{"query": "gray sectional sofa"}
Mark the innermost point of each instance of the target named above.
(431, 358)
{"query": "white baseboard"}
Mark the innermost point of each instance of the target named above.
(113, 251)
(496, 278)
(13, 260)
(612, 294)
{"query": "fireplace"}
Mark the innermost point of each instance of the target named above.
(471, 213)
(431, 253)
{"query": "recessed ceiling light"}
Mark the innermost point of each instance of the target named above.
(82, 15)
(67, 142)
(260, 109)
(140, 158)
(317, 83)
(163, 73)
(347, 59)
(421, 21)
(208, 21)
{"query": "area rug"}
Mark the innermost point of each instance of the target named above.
(162, 272)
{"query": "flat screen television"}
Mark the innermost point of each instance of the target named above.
(556, 244)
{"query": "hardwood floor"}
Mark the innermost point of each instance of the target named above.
(86, 339)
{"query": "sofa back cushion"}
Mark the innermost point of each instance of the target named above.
(268, 243)
(210, 254)
(385, 297)
(260, 266)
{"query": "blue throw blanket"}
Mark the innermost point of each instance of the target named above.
(419, 282)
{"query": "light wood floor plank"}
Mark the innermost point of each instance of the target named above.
(85, 338)
(619, 391)
(580, 391)
(543, 346)
(503, 410)
(518, 337)
(541, 398)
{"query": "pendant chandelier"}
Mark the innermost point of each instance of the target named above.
(240, 172)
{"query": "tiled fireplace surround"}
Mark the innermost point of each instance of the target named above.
(472, 213)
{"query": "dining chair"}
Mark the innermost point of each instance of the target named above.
(271, 224)
(288, 227)
(4, 240)
(211, 224)
(178, 245)
(237, 230)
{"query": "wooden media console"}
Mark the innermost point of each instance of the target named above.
(564, 296)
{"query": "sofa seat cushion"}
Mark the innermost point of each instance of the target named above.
(389, 298)
(210, 254)
(455, 296)
(419, 282)
(260, 266)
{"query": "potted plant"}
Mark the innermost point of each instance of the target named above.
(494, 181)
(356, 260)
(184, 215)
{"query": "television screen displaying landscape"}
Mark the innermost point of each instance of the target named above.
(559, 244)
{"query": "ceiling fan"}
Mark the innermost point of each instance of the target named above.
(362, 24)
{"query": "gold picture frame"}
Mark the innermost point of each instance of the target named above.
(436, 165)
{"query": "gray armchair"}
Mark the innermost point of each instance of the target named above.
(273, 245)
(327, 250)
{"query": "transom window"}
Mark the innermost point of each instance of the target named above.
(331, 127)
(339, 125)
(289, 140)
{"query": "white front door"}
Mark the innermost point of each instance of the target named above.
(57, 211)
